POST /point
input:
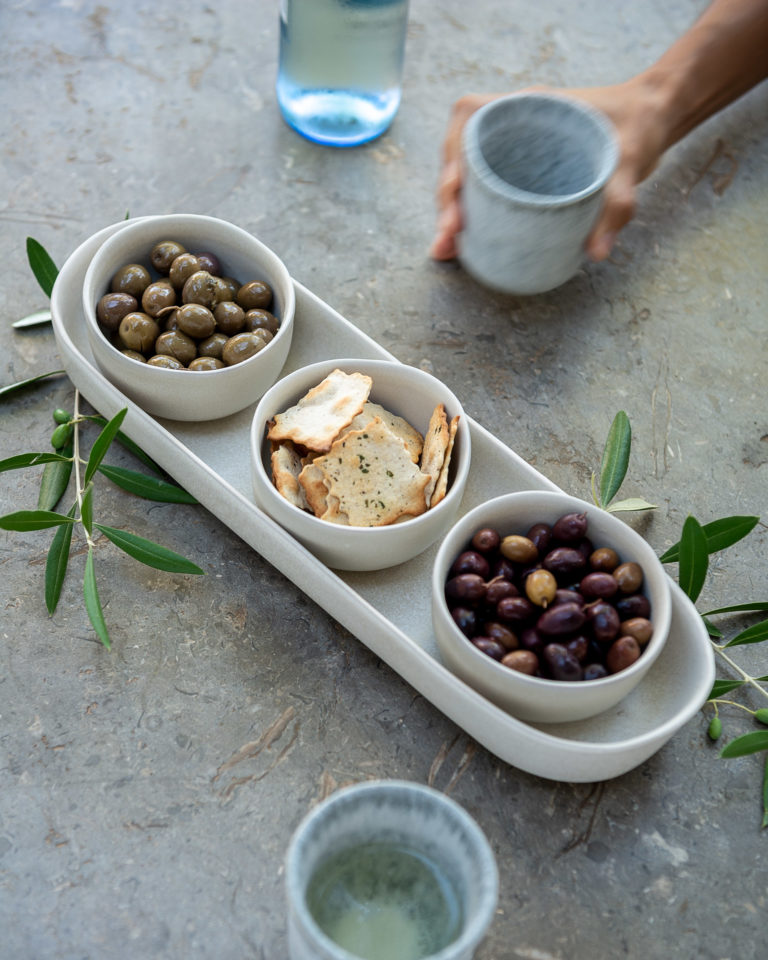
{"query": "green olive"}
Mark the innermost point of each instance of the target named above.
(261, 320)
(195, 320)
(212, 346)
(157, 297)
(138, 331)
(206, 363)
(182, 269)
(229, 316)
(255, 295)
(176, 344)
(133, 279)
(241, 347)
(164, 253)
(163, 360)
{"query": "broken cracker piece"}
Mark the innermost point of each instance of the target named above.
(286, 467)
(441, 487)
(315, 491)
(323, 412)
(436, 440)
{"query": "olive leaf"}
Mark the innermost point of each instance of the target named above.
(56, 562)
(719, 535)
(86, 509)
(613, 467)
(747, 743)
(754, 634)
(151, 488)
(694, 558)
(739, 608)
(26, 520)
(23, 384)
(92, 602)
(55, 480)
(721, 687)
(30, 460)
(43, 267)
(101, 444)
(632, 503)
(147, 552)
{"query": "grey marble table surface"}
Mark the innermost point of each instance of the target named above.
(147, 794)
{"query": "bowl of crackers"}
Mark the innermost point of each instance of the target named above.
(364, 462)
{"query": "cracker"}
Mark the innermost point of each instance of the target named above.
(436, 440)
(286, 467)
(315, 491)
(317, 419)
(373, 477)
(441, 487)
(408, 434)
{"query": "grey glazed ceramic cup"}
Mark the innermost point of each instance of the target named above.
(535, 165)
(393, 811)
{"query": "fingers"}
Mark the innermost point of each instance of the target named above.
(618, 210)
(450, 180)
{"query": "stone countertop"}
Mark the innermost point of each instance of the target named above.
(149, 792)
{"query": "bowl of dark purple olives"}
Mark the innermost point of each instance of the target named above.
(191, 317)
(551, 607)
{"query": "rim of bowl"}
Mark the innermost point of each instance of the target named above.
(649, 654)
(475, 928)
(460, 465)
(134, 226)
(601, 123)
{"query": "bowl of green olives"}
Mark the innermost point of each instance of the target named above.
(190, 316)
(551, 607)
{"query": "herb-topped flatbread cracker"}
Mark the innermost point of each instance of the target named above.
(410, 435)
(371, 474)
(318, 418)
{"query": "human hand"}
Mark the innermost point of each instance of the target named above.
(641, 134)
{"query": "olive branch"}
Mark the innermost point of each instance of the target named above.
(692, 552)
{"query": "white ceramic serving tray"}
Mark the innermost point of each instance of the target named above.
(390, 611)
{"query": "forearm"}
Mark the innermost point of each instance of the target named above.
(722, 56)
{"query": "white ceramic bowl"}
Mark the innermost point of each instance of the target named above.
(406, 391)
(182, 394)
(534, 698)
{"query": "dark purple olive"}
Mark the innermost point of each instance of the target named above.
(562, 665)
(564, 562)
(502, 635)
(560, 620)
(531, 639)
(603, 621)
(471, 562)
(594, 671)
(638, 605)
(499, 588)
(466, 620)
(598, 585)
(541, 535)
(486, 540)
(491, 648)
(567, 595)
(466, 587)
(570, 528)
(579, 647)
(515, 609)
(622, 654)
(504, 568)
(586, 549)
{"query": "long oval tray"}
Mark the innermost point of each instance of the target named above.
(390, 611)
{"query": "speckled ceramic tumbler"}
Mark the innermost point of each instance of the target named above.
(360, 825)
(535, 168)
